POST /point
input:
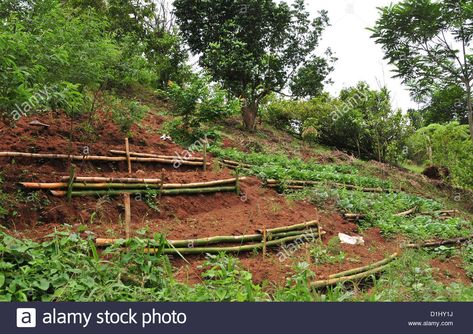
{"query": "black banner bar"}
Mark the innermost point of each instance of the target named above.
(227, 318)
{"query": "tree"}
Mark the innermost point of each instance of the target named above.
(253, 47)
(445, 105)
(446, 145)
(430, 44)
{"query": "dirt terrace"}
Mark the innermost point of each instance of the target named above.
(179, 217)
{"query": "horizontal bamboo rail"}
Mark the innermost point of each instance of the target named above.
(154, 155)
(95, 158)
(406, 213)
(236, 164)
(189, 243)
(298, 184)
(365, 268)
(99, 179)
(326, 283)
(354, 216)
(132, 186)
(357, 216)
(231, 249)
(291, 227)
(442, 212)
(457, 241)
(169, 192)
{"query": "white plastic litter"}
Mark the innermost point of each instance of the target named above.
(346, 239)
(166, 137)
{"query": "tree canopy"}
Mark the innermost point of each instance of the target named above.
(430, 44)
(255, 47)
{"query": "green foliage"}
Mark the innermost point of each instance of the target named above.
(126, 113)
(445, 105)
(68, 268)
(66, 49)
(416, 283)
(251, 46)
(330, 254)
(282, 168)
(467, 256)
(297, 287)
(223, 272)
(198, 101)
(191, 138)
(361, 120)
(380, 211)
(364, 122)
(417, 37)
(445, 145)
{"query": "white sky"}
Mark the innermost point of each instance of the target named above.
(359, 58)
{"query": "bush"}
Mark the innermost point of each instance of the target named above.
(447, 146)
(199, 101)
(126, 113)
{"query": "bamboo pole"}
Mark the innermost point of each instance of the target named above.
(237, 183)
(232, 249)
(169, 192)
(205, 156)
(365, 268)
(300, 184)
(442, 212)
(354, 216)
(127, 152)
(291, 227)
(357, 216)
(94, 158)
(325, 283)
(227, 239)
(237, 164)
(72, 174)
(457, 241)
(264, 236)
(85, 185)
(154, 155)
(94, 179)
(406, 213)
(127, 215)
(161, 186)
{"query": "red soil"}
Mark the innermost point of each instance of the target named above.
(180, 217)
(449, 270)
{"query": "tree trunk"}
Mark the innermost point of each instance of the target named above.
(470, 109)
(249, 111)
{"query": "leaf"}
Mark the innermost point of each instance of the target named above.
(43, 284)
(2, 279)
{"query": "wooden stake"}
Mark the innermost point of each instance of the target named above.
(264, 242)
(237, 183)
(205, 155)
(128, 157)
(161, 186)
(127, 215)
(72, 175)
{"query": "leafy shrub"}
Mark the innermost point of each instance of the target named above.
(447, 145)
(282, 168)
(126, 113)
(68, 268)
(198, 101)
(186, 136)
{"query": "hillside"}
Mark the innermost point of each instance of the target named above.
(37, 215)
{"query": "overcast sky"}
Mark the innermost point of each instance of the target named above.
(359, 58)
